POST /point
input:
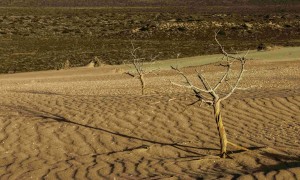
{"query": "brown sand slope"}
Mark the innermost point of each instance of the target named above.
(92, 123)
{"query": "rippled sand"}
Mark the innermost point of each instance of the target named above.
(93, 124)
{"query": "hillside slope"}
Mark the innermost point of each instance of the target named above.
(139, 2)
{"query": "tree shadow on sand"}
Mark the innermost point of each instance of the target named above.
(182, 147)
(284, 161)
(287, 161)
(58, 118)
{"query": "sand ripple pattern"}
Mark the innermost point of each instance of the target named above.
(54, 136)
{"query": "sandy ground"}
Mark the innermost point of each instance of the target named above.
(92, 123)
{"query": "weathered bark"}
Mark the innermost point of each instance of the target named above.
(209, 94)
(142, 83)
(221, 128)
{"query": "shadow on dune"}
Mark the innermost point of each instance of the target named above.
(174, 145)
(39, 92)
(280, 166)
(186, 148)
(46, 115)
(285, 161)
(279, 171)
(293, 162)
(84, 95)
(280, 157)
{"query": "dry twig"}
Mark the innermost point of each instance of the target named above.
(138, 64)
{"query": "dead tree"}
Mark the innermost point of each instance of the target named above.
(211, 95)
(138, 63)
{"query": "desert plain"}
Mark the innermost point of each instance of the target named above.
(93, 123)
(85, 122)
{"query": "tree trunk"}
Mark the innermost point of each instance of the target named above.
(221, 128)
(142, 83)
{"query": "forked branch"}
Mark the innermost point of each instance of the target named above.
(198, 91)
(210, 94)
(230, 60)
(138, 64)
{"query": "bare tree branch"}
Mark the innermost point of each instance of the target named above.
(190, 85)
(215, 99)
(223, 78)
(236, 83)
(204, 81)
(138, 65)
(130, 74)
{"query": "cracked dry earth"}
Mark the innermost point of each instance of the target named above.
(92, 123)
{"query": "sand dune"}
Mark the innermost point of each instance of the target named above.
(93, 123)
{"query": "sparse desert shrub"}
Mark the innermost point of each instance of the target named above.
(222, 33)
(91, 64)
(213, 96)
(64, 65)
(264, 47)
(97, 62)
(261, 47)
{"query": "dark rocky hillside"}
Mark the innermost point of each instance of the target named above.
(141, 2)
(34, 38)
